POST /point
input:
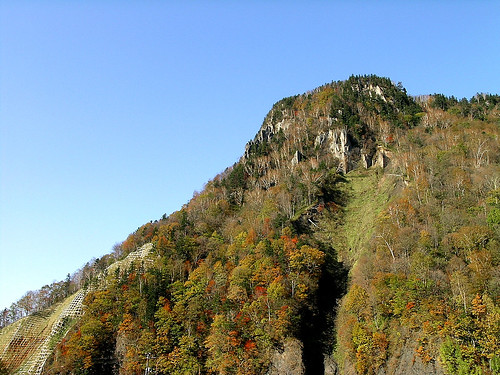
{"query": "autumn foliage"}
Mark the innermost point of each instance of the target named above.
(258, 255)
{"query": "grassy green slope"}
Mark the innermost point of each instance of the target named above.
(369, 191)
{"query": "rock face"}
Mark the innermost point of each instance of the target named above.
(381, 158)
(297, 158)
(366, 160)
(334, 141)
(291, 137)
(408, 363)
(338, 144)
(266, 135)
(288, 361)
(331, 367)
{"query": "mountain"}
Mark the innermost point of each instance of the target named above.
(358, 234)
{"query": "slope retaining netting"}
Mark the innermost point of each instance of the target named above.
(138, 255)
(26, 344)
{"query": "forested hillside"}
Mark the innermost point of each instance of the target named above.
(358, 234)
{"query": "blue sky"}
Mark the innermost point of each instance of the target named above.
(113, 113)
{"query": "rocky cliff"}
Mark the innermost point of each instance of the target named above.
(344, 124)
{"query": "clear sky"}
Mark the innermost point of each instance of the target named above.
(113, 113)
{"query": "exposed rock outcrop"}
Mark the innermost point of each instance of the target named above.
(381, 158)
(408, 363)
(331, 367)
(335, 141)
(297, 158)
(289, 360)
(338, 124)
(340, 148)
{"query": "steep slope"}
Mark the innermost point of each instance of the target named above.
(359, 233)
(369, 194)
(246, 244)
(423, 296)
(26, 344)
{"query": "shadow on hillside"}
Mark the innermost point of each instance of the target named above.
(317, 328)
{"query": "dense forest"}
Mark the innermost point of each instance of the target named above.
(358, 234)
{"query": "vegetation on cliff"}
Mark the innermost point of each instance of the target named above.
(360, 222)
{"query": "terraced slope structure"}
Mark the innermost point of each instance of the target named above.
(26, 344)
